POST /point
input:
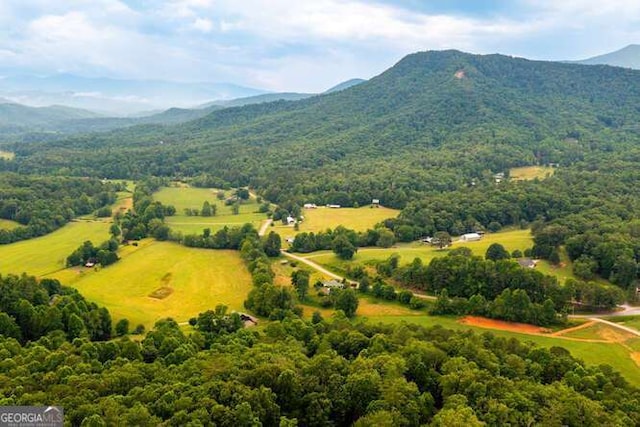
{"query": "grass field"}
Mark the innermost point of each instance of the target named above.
(7, 224)
(618, 355)
(7, 155)
(530, 172)
(46, 254)
(160, 279)
(192, 198)
(511, 240)
(359, 219)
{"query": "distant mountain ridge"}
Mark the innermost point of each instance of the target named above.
(115, 97)
(16, 118)
(627, 57)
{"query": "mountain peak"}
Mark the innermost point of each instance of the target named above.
(628, 57)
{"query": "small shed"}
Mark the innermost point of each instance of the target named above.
(332, 206)
(470, 237)
(375, 203)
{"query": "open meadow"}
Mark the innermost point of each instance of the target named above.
(526, 173)
(46, 254)
(155, 280)
(184, 197)
(322, 218)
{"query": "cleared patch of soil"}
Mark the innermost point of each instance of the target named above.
(161, 293)
(483, 322)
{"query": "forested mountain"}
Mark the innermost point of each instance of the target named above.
(628, 57)
(432, 122)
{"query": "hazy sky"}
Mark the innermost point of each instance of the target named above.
(296, 45)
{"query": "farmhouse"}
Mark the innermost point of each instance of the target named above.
(310, 206)
(470, 237)
(375, 203)
(291, 220)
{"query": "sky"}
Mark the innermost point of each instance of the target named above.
(294, 45)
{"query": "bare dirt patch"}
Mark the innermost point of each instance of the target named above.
(483, 322)
(636, 357)
(161, 293)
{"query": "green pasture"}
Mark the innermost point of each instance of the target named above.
(526, 173)
(43, 255)
(193, 198)
(161, 279)
(614, 354)
(359, 219)
(511, 240)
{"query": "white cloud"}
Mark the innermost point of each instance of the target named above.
(290, 44)
(203, 25)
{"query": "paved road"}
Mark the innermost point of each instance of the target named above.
(263, 228)
(627, 310)
(616, 325)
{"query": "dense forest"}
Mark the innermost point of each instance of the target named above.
(292, 372)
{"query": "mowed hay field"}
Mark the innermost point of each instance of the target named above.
(162, 279)
(526, 173)
(46, 254)
(184, 197)
(359, 219)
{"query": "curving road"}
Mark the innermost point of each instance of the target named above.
(333, 275)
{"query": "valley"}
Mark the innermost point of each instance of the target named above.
(398, 249)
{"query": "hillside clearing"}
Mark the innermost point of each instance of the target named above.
(6, 155)
(527, 173)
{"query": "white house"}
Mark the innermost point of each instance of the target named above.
(291, 220)
(333, 206)
(470, 237)
(310, 206)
